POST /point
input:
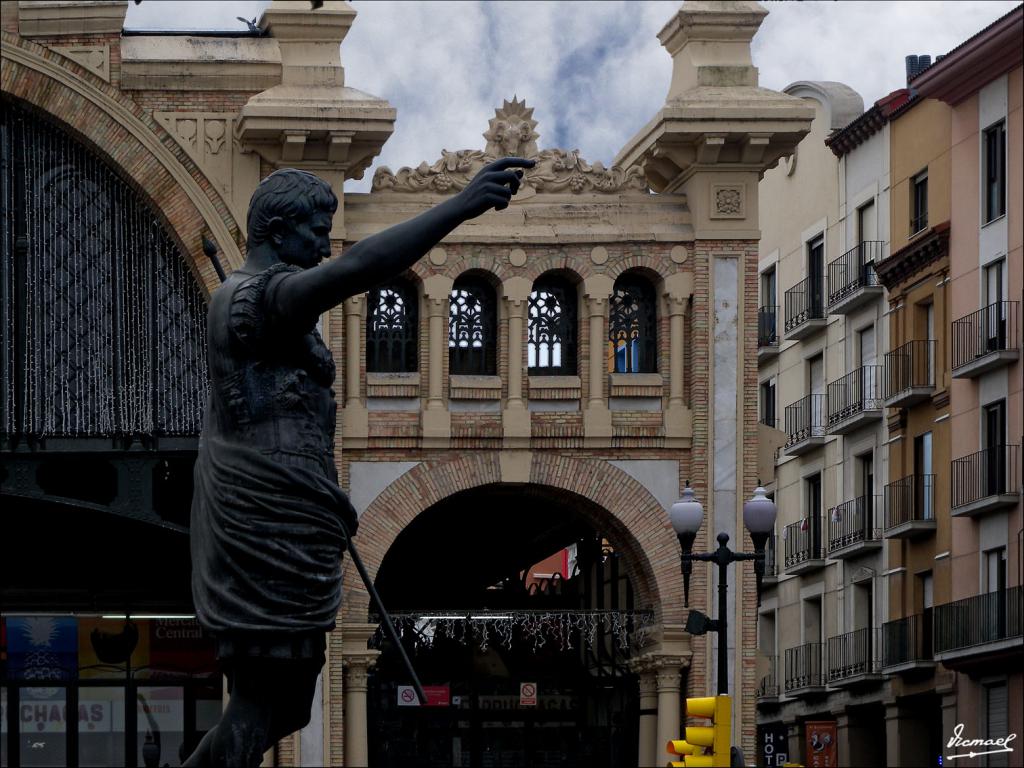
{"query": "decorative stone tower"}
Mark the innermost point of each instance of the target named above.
(712, 141)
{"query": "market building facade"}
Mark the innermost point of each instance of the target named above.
(538, 389)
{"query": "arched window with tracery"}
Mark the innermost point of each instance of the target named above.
(551, 342)
(392, 328)
(632, 326)
(472, 328)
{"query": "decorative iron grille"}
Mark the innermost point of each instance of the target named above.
(103, 329)
(472, 343)
(551, 343)
(392, 329)
(632, 327)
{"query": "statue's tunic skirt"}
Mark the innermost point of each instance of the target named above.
(268, 518)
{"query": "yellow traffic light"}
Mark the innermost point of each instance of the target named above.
(715, 738)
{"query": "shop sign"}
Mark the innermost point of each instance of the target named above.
(51, 716)
(774, 746)
(822, 744)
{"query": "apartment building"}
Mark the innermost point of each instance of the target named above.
(891, 408)
(978, 627)
(822, 338)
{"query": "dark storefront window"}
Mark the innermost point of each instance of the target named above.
(90, 691)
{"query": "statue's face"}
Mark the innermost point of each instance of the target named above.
(307, 242)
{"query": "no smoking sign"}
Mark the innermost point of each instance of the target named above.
(527, 694)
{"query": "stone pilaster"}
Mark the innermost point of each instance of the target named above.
(515, 417)
(678, 289)
(646, 673)
(354, 417)
(435, 419)
(597, 419)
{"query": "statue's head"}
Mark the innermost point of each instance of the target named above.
(292, 210)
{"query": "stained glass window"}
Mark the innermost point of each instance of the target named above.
(472, 343)
(392, 329)
(632, 327)
(551, 344)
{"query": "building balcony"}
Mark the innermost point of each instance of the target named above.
(851, 528)
(803, 670)
(986, 339)
(910, 507)
(852, 281)
(855, 400)
(767, 693)
(985, 627)
(851, 659)
(771, 563)
(907, 644)
(767, 333)
(909, 374)
(805, 308)
(805, 424)
(986, 481)
(803, 546)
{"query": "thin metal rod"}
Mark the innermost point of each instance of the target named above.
(385, 619)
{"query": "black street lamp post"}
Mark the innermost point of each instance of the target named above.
(686, 515)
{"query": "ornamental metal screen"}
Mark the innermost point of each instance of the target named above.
(632, 327)
(551, 347)
(392, 329)
(472, 343)
(102, 328)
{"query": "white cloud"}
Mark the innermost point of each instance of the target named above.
(594, 72)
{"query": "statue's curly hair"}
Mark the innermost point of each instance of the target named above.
(290, 194)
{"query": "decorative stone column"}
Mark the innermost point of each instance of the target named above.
(648, 753)
(678, 289)
(356, 662)
(515, 417)
(435, 419)
(354, 417)
(597, 419)
(669, 698)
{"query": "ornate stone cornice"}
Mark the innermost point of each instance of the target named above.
(511, 132)
(911, 259)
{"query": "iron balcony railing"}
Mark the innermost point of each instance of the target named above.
(852, 522)
(767, 327)
(910, 366)
(977, 620)
(768, 686)
(771, 567)
(851, 654)
(989, 472)
(803, 667)
(805, 301)
(859, 390)
(919, 223)
(907, 640)
(991, 329)
(908, 499)
(806, 418)
(854, 270)
(803, 541)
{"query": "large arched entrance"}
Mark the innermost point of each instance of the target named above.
(500, 591)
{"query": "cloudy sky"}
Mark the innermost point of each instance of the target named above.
(594, 72)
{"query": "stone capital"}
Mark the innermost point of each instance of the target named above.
(437, 289)
(516, 291)
(598, 288)
(678, 288)
(355, 305)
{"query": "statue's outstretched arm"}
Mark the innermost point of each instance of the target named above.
(303, 297)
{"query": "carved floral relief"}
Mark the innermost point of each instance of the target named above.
(512, 132)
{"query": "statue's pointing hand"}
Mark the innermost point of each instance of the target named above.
(493, 186)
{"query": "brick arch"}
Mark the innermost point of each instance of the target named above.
(630, 515)
(135, 144)
(654, 270)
